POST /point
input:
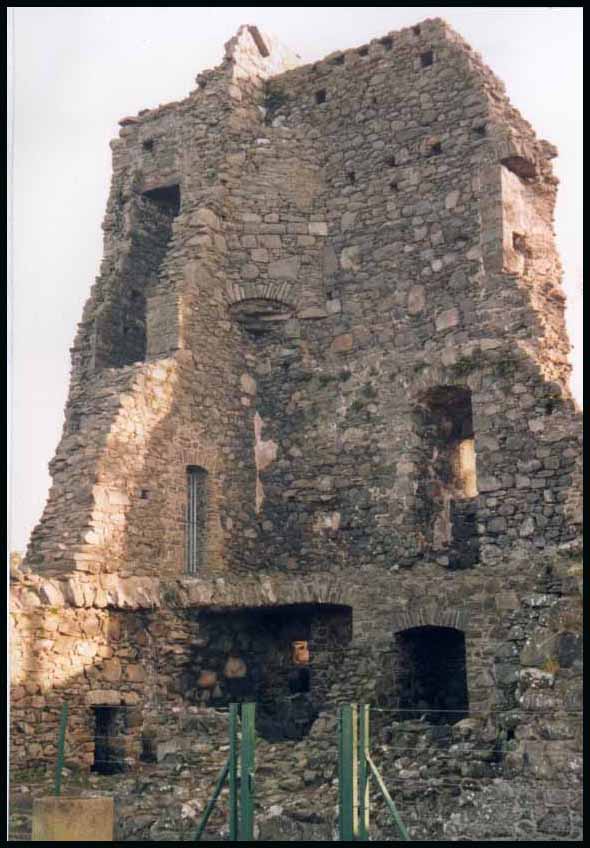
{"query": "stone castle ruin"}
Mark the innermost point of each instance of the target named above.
(319, 448)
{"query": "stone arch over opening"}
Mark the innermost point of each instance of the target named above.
(430, 616)
(260, 307)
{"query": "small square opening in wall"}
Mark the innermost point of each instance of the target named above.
(426, 58)
(520, 245)
(394, 186)
(391, 163)
(481, 131)
(320, 96)
(148, 144)
(167, 198)
(436, 149)
(351, 177)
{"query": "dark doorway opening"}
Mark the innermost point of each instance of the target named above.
(432, 675)
(284, 658)
(109, 743)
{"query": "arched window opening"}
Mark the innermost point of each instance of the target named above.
(432, 675)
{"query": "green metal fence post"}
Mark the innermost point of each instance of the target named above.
(364, 773)
(61, 744)
(355, 771)
(389, 801)
(347, 775)
(209, 808)
(233, 772)
(247, 774)
(340, 772)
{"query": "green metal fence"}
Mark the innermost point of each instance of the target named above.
(355, 771)
(238, 771)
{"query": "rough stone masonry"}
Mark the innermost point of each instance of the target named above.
(319, 448)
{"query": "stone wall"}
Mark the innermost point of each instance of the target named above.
(523, 662)
(335, 289)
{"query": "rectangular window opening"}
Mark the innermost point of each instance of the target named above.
(166, 197)
(426, 59)
(196, 519)
(120, 327)
(110, 725)
(449, 480)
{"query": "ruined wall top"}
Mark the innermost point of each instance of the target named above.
(252, 52)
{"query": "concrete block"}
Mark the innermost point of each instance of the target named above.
(67, 819)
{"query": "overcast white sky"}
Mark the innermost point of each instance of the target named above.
(79, 70)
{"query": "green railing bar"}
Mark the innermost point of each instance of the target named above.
(340, 774)
(213, 799)
(355, 772)
(247, 774)
(388, 799)
(61, 745)
(364, 773)
(347, 785)
(233, 772)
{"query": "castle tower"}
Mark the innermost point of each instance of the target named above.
(322, 376)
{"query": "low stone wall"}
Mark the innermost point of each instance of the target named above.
(523, 664)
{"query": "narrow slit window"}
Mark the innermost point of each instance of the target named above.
(196, 518)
